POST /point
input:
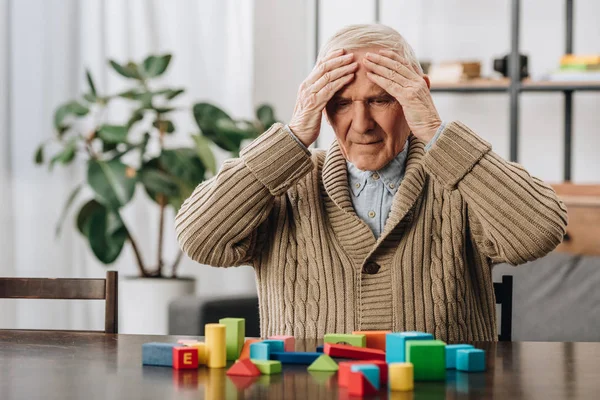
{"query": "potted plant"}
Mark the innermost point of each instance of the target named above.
(116, 161)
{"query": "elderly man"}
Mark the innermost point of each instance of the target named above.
(395, 227)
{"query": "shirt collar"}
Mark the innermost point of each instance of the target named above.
(391, 175)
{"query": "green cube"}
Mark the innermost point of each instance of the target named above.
(268, 367)
(342, 338)
(428, 358)
(235, 332)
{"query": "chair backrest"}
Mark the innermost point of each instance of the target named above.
(68, 289)
(504, 296)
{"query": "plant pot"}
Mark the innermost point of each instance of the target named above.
(144, 303)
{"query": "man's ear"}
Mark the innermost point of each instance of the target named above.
(427, 80)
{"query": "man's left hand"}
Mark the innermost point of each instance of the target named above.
(411, 89)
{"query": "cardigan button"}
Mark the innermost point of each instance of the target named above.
(371, 268)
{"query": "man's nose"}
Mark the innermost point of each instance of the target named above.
(362, 121)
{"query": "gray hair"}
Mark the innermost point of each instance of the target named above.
(370, 35)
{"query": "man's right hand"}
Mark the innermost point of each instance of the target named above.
(329, 75)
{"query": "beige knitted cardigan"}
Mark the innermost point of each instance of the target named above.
(460, 209)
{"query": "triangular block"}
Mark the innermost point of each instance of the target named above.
(359, 385)
(243, 368)
(324, 363)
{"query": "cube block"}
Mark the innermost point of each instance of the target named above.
(470, 360)
(260, 351)
(370, 371)
(289, 341)
(235, 332)
(201, 347)
(343, 338)
(160, 354)
(401, 377)
(268, 367)
(359, 385)
(451, 350)
(275, 345)
(428, 358)
(375, 339)
(185, 358)
(395, 344)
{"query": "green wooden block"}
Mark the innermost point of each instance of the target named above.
(428, 358)
(343, 338)
(268, 367)
(324, 363)
(235, 332)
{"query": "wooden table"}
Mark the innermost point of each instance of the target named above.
(64, 365)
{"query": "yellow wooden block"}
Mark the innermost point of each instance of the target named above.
(201, 351)
(216, 353)
(401, 376)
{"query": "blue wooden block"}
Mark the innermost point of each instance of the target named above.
(370, 371)
(275, 345)
(470, 360)
(395, 344)
(160, 354)
(260, 351)
(320, 349)
(451, 350)
(291, 357)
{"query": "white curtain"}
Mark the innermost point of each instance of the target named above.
(45, 46)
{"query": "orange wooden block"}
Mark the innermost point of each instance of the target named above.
(359, 385)
(185, 358)
(245, 354)
(375, 339)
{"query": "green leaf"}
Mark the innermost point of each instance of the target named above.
(90, 97)
(132, 94)
(158, 182)
(170, 94)
(66, 155)
(137, 116)
(163, 110)
(184, 164)
(234, 133)
(39, 154)
(167, 126)
(206, 116)
(113, 133)
(266, 115)
(91, 83)
(130, 70)
(67, 109)
(205, 153)
(156, 65)
(70, 201)
(112, 181)
(106, 234)
(83, 217)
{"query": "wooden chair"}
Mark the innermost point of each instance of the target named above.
(68, 289)
(504, 297)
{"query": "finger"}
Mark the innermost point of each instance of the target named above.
(395, 65)
(327, 92)
(332, 76)
(395, 56)
(389, 86)
(387, 73)
(327, 66)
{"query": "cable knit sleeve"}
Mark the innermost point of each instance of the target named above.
(516, 217)
(217, 224)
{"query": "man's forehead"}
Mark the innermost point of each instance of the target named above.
(350, 92)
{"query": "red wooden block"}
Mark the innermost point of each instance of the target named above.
(355, 353)
(244, 368)
(345, 370)
(185, 358)
(359, 385)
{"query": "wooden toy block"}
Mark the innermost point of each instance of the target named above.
(451, 350)
(289, 341)
(370, 371)
(324, 364)
(260, 351)
(359, 385)
(428, 358)
(352, 352)
(345, 366)
(268, 367)
(245, 354)
(470, 360)
(275, 345)
(401, 377)
(201, 347)
(160, 354)
(375, 339)
(395, 344)
(291, 357)
(243, 368)
(235, 331)
(185, 358)
(319, 349)
(216, 353)
(343, 338)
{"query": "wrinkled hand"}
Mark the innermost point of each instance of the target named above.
(329, 75)
(397, 77)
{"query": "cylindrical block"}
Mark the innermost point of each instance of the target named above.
(401, 376)
(216, 352)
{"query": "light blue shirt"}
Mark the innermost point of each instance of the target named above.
(373, 191)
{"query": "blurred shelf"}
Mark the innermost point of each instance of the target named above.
(473, 86)
(554, 86)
